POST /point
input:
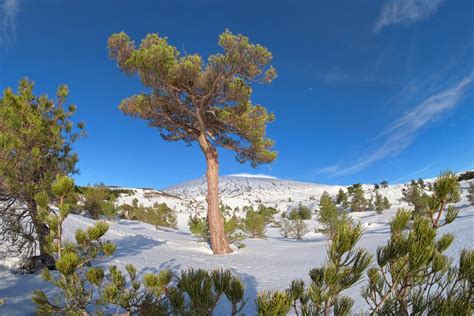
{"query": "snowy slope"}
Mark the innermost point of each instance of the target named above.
(263, 264)
(241, 190)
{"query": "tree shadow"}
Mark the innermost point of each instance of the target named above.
(17, 290)
(250, 294)
(134, 245)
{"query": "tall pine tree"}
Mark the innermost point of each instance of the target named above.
(207, 102)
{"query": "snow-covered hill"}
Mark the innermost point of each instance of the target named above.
(245, 189)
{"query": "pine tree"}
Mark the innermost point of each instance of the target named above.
(300, 212)
(204, 102)
(75, 277)
(344, 268)
(36, 138)
(297, 229)
(254, 224)
(62, 188)
(384, 184)
(381, 203)
(413, 275)
(328, 215)
(342, 200)
(358, 201)
(416, 196)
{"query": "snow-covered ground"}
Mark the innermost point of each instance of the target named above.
(263, 264)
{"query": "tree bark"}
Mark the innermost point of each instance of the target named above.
(219, 240)
(41, 228)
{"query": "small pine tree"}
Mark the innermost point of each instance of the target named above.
(416, 196)
(284, 227)
(381, 203)
(62, 188)
(198, 227)
(358, 201)
(344, 268)
(273, 303)
(342, 200)
(328, 215)
(75, 277)
(297, 229)
(384, 184)
(300, 212)
(413, 275)
(254, 224)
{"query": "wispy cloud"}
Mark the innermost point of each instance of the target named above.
(401, 133)
(405, 12)
(8, 11)
(414, 173)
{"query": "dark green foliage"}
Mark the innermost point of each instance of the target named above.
(342, 200)
(413, 275)
(36, 138)
(276, 303)
(199, 227)
(468, 175)
(61, 189)
(99, 201)
(384, 184)
(344, 268)
(301, 212)
(255, 223)
(328, 215)
(267, 212)
(83, 288)
(160, 214)
(204, 290)
(381, 203)
(358, 202)
(74, 276)
(190, 96)
(416, 196)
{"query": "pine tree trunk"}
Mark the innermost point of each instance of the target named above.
(41, 229)
(219, 240)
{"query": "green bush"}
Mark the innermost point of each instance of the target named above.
(300, 212)
(381, 203)
(255, 223)
(98, 201)
(199, 227)
(160, 214)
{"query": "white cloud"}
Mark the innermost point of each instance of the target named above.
(405, 12)
(8, 13)
(403, 131)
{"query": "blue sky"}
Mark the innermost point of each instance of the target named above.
(367, 90)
